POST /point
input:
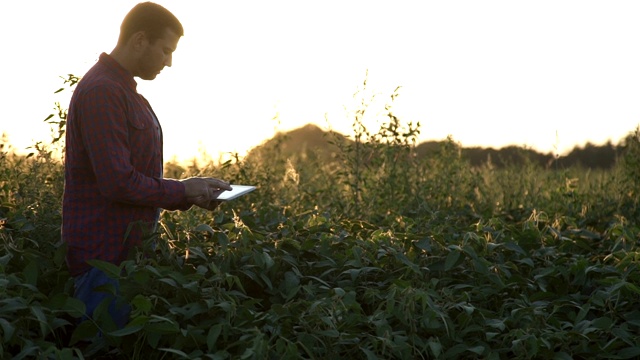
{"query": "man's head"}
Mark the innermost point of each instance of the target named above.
(149, 35)
(152, 19)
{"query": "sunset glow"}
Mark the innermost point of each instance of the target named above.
(548, 75)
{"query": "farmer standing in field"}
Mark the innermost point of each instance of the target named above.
(114, 186)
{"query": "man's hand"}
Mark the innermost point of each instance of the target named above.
(203, 192)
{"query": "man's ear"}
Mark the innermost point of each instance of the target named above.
(138, 40)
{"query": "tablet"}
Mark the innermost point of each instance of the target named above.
(236, 190)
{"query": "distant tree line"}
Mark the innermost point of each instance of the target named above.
(587, 156)
(311, 137)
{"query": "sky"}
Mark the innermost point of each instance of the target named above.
(548, 75)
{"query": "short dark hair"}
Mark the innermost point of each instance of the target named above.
(151, 18)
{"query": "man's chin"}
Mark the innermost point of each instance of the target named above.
(148, 76)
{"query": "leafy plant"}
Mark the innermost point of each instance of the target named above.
(376, 255)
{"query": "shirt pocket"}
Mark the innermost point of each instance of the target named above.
(142, 134)
(144, 143)
(139, 122)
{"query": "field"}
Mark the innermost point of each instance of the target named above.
(370, 254)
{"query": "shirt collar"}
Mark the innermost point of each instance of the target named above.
(122, 74)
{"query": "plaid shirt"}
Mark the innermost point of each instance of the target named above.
(113, 168)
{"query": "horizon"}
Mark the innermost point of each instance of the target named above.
(477, 155)
(7, 146)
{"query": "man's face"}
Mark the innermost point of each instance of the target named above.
(155, 56)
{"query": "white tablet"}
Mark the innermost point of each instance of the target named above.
(236, 190)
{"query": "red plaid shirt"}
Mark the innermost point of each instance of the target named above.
(113, 168)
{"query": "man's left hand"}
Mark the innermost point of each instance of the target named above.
(207, 202)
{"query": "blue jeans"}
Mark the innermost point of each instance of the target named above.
(84, 291)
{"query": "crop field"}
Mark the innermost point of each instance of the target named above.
(371, 253)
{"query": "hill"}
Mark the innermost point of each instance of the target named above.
(310, 140)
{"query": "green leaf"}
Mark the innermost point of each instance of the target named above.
(410, 264)
(86, 330)
(318, 280)
(12, 305)
(477, 349)
(111, 270)
(127, 330)
(633, 318)
(480, 266)
(197, 251)
(142, 304)
(291, 281)
(162, 328)
(65, 354)
(31, 273)
(153, 270)
(369, 353)
(622, 333)
(42, 319)
(602, 323)
(632, 287)
(212, 336)
(582, 314)
(423, 244)
(153, 339)
(268, 261)
(469, 309)
(526, 261)
(175, 351)
(629, 353)
(435, 346)
(139, 320)
(452, 259)
(205, 228)
(266, 280)
(192, 286)
(178, 277)
(455, 350)
(469, 250)
(223, 239)
(491, 335)
(162, 325)
(27, 352)
(516, 248)
(74, 307)
(562, 356)
(339, 292)
(169, 282)
(496, 324)
(226, 306)
(332, 333)
(7, 330)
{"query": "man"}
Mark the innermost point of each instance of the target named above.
(113, 156)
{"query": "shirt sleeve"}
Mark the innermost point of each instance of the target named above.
(105, 134)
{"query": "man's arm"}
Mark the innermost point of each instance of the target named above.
(105, 132)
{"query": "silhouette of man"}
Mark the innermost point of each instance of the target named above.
(113, 157)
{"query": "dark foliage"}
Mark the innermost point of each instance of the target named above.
(311, 139)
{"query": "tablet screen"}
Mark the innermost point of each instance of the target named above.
(236, 190)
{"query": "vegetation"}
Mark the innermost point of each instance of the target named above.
(377, 254)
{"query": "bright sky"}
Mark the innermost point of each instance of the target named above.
(543, 74)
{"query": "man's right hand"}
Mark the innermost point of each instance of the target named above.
(203, 192)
